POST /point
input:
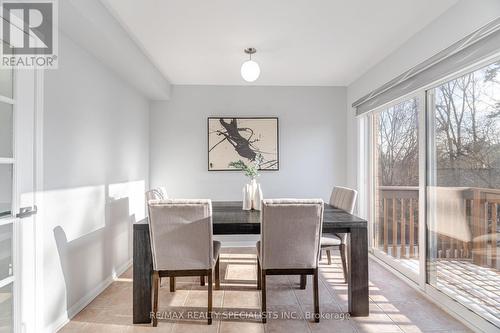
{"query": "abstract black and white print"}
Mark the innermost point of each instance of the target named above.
(233, 139)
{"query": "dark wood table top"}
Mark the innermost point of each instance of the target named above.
(229, 219)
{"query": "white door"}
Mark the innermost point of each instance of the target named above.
(17, 200)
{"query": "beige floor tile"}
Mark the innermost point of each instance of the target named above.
(199, 298)
(176, 298)
(102, 316)
(163, 327)
(74, 327)
(420, 315)
(286, 326)
(128, 274)
(306, 296)
(285, 312)
(329, 310)
(107, 328)
(378, 321)
(281, 296)
(200, 326)
(240, 272)
(328, 326)
(241, 327)
(394, 306)
(282, 280)
(411, 328)
(237, 299)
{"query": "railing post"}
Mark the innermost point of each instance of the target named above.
(468, 214)
(494, 223)
(479, 220)
(386, 231)
(403, 229)
(394, 228)
(412, 229)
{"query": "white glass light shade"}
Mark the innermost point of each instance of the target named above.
(250, 71)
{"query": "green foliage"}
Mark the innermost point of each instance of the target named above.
(251, 170)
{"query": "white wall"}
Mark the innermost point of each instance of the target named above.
(459, 21)
(312, 140)
(91, 24)
(96, 153)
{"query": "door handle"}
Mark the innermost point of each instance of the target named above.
(27, 211)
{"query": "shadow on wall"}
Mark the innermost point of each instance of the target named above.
(88, 260)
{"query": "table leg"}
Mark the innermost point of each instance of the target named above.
(358, 273)
(143, 270)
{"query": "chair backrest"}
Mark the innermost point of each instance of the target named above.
(448, 212)
(343, 198)
(158, 193)
(181, 234)
(290, 233)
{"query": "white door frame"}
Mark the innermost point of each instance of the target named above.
(28, 254)
(417, 277)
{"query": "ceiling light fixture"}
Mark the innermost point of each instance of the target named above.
(250, 70)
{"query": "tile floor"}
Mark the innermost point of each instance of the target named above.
(394, 306)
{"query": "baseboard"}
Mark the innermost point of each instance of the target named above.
(237, 240)
(65, 317)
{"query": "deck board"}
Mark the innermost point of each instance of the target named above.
(476, 287)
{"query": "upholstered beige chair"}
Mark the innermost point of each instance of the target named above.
(290, 242)
(345, 199)
(181, 244)
(158, 193)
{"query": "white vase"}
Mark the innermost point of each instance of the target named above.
(247, 197)
(253, 187)
(257, 198)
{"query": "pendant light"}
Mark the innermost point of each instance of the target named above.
(250, 70)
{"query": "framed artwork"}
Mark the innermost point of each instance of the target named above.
(231, 139)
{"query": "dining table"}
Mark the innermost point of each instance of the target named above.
(228, 218)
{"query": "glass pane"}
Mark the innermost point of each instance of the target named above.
(6, 129)
(5, 251)
(5, 189)
(464, 190)
(6, 82)
(6, 306)
(396, 182)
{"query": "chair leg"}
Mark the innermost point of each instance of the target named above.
(209, 312)
(202, 280)
(259, 275)
(263, 292)
(172, 284)
(303, 281)
(217, 274)
(316, 296)
(155, 298)
(344, 262)
(329, 256)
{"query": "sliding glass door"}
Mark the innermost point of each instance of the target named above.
(463, 193)
(395, 155)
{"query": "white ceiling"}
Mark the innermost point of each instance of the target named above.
(302, 42)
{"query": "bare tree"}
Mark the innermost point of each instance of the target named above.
(467, 112)
(398, 144)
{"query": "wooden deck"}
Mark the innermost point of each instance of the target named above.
(476, 287)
